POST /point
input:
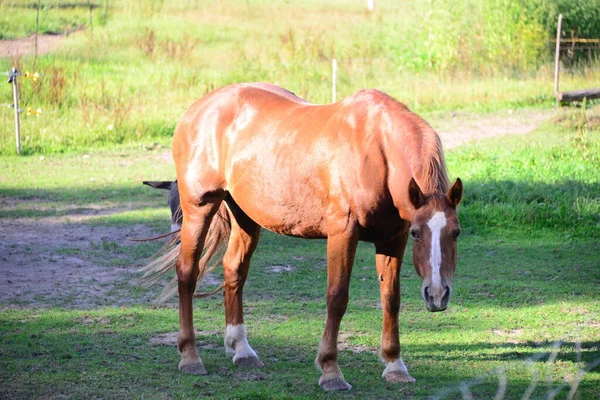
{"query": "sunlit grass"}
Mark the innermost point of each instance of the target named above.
(524, 309)
(128, 82)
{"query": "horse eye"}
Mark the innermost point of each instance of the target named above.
(455, 234)
(415, 234)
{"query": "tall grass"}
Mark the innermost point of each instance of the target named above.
(129, 80)
(545, 182)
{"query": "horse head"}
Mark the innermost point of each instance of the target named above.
(173, 201)
(435, 229)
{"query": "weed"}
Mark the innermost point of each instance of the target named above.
(57, 86)
(147, 43)
(178, 50)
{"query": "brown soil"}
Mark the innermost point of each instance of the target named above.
(48, 262)
(460, 128)
(21, 47)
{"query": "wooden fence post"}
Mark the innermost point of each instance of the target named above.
(557, 55)
(13, 79)
(37, 29)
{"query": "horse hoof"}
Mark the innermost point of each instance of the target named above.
(335, 384)
(398, 377)
(249, 362)
(194, 369)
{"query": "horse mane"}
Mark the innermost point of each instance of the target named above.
(422, 146)
(427, 162)
(424, 153)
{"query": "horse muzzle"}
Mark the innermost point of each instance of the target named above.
(436, 298)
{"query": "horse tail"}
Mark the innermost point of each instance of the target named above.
(165, 260)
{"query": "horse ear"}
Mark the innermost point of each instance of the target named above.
(417, 198)
(455, 192)
(159, 184)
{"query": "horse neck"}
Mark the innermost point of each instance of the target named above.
(430, 173)
(425, 157)
(414, 150)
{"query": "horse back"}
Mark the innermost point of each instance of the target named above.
(291, 165)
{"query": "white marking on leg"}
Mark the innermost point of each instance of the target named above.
(395, 366)
(435, 224)
(236, 342)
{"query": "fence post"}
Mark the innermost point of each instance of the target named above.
(557, 55)
(333, 79)
(37, 29)
(90, 16)
(13, 79)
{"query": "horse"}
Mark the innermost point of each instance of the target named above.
(254, 155)
(173, 201)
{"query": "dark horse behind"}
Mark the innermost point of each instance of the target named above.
(252, 156)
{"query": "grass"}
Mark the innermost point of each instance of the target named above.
(534, 183)
(18, 17)
(525, 313)
(525, 307)
(128, 81)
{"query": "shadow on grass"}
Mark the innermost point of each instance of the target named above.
(104, 353)
(23, 203)
(570, 206)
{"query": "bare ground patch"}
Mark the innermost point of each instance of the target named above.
(25, 46)
(456, 129)
(58, 261)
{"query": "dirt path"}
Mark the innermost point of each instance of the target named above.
(58, 261)
(460, 128)
(21, 47)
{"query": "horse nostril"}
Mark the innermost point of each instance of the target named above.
(446, 296)
(426, 294)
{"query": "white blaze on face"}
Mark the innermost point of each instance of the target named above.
(436, 224)
(236, 342)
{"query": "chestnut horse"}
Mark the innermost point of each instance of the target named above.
(365, 168)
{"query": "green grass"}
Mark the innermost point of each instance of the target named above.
(533, 184)
(129, 80)
(525, 306)
(18, 17)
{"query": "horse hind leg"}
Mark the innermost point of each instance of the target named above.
(197, 217)
(236, 262)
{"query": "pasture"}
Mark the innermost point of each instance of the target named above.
(75, 322)
(525, 308)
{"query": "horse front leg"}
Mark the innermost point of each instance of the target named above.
(388, 260)
(341, 248)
